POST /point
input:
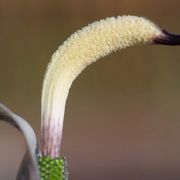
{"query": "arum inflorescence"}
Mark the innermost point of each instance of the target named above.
(80, 50)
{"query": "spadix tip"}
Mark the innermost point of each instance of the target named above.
(167, 38)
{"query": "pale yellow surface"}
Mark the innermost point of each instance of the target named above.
(81, 49)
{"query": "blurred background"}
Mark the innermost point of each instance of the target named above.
(122, 117)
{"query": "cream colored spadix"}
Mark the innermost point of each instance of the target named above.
(81, 49)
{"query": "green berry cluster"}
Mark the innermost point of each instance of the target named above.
(52, 169)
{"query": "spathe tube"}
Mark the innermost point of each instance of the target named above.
(29, 168)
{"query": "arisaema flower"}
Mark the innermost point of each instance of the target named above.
(80, 50)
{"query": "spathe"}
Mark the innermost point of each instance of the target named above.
(29, 167)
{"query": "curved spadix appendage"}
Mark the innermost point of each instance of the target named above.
(81, 49)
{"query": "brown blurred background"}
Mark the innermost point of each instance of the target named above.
(122, 118)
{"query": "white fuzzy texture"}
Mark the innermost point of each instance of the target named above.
(81, 49)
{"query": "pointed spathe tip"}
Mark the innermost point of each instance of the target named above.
(167, 38)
